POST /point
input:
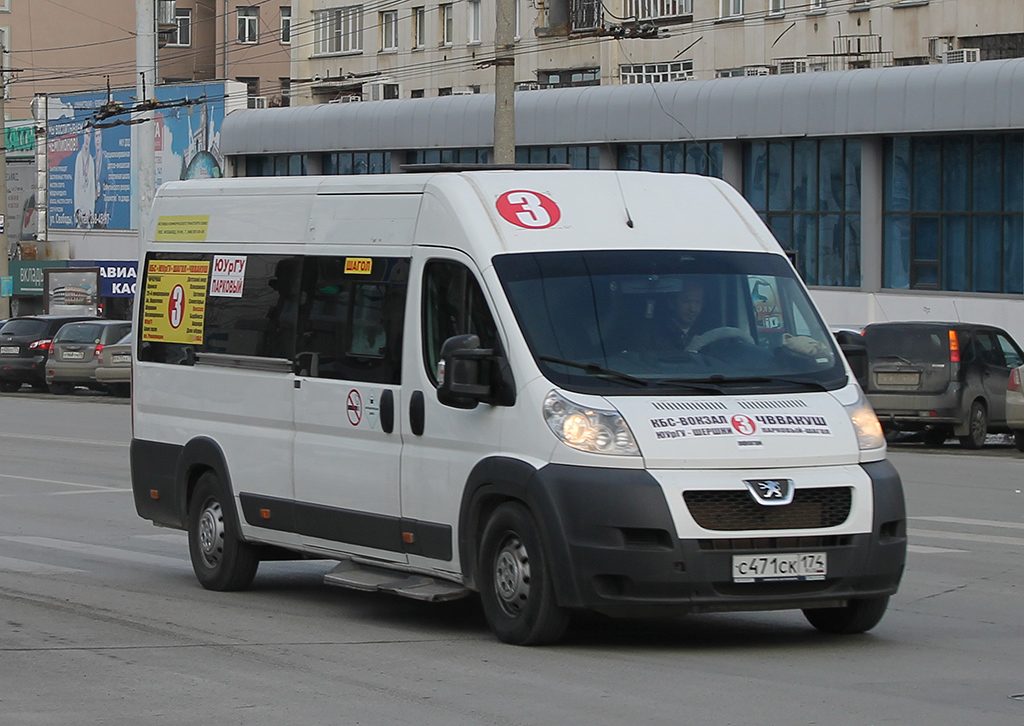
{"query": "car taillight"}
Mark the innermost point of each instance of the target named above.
(99, 349)
(1014, 383)
(954, 347)
(44, 344)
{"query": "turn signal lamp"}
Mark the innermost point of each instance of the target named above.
(44, 344)
(99, 349)
(865, 422)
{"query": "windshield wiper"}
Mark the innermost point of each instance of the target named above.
(900, 358)
(719, 380)
(592, 369)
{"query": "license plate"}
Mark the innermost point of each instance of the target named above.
(121, 358)
(72, 355)
(789, 566)
(898, 379)
(10, 350)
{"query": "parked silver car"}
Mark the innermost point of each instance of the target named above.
(1015, 405)
(114, 369)
(76, 350)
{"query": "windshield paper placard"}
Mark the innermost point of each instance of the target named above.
(175, 301)
(228, 276)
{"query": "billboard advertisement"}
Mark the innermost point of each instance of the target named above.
(89, 151)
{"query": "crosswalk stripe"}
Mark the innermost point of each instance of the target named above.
(107, 553)
(971, 522)
(9, 564)
(925, 550)
(967, 537)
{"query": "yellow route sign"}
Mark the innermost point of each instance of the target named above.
(182, 228)
(175, 301)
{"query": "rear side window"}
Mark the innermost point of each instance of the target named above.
(80, 333)
(916, 345)
(113, 333)
(24, 328)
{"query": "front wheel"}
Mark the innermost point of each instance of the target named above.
(220, 559)
(515, 581)
(859, 616)
(978, 422)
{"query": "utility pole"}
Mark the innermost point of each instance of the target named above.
(504, 83)
(5, 268)
(144, 134)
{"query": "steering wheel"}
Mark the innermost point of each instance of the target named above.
(719, 334)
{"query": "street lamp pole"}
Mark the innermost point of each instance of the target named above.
(504, 83)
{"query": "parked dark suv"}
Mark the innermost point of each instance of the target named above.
(25, 346)
(945, 379)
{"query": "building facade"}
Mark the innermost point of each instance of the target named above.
(343, 50)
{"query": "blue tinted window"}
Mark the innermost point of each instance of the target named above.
(897, 174)
(832, 188)
(897, 251)
(780, 175)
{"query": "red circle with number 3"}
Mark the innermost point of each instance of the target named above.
(744, 425)
(529, 210)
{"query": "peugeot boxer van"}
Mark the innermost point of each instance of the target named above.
(559, 390)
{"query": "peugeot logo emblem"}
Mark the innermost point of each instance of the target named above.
(771, 492)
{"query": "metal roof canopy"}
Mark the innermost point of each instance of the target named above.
(986, 96)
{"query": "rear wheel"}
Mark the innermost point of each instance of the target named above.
(859, 616)
(220, 559)
(9, 386)
(515, 582)
(977, 420)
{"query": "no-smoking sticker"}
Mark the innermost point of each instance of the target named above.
(354, 407)
(529, 210)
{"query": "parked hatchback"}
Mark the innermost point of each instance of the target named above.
(1015, 405)
(25, 347)
(76, 350)
(944, 379)
(114, 369)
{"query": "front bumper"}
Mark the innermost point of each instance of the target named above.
(621, 556)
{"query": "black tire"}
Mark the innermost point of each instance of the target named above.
(859, 616)
(10, 386)
(61, 389)
(1018, 439)
(220, 559)
(935, 436)
(40, 386)
(121, 390)
(515, 582)
(977, 420)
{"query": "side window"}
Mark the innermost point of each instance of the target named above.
(1010, 352)
(989, 350)
(350, 322)
(453, 304)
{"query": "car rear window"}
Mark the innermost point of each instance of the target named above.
(80, 333)
(915, 345)
(24, 327)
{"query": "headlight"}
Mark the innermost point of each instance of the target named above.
(588, 429)
(865, 422)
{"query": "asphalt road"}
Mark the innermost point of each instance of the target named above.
(102, 622)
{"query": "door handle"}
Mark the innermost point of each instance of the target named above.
(417, 412)
(387, 411)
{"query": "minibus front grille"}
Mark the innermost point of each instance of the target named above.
(734, 510)
(776, 543)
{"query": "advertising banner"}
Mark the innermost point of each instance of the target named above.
(174, 305)
(72, 291)
(28, 277)
(89, 151)
(21, 200)
(117, 277)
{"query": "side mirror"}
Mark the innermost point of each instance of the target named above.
(464, 371)
(855, 348)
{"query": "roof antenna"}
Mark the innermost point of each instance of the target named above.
(629, 218)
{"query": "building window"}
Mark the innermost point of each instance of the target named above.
(777, 6)
(248, 25)
(656, 72)
(569, 78)
(954, 213)
(474, 21)
(389, 30)
(286, 91)
(730, 8)
(448, 156)
(447, 20)
(416, 93)
(181, 36)
(356, 162)
(658, 9)
(419, 27)
(275, 165)
(690, 157)
(446, 91)
(339, 30)
(818, 5)
(808, 192)
(286, 24)
(577, 157)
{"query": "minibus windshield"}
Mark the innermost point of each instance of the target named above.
(682, 322)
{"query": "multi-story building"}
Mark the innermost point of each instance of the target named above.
(344, 49)
(58, 47)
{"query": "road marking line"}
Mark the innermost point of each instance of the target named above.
(97, 487)
(107, 553)
(977, 522)
(9, 564)
(964, 536)
(924, 550)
